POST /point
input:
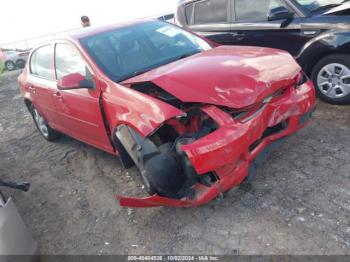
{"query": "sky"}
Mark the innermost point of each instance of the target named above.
(31, 18)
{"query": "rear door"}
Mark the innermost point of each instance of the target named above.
(41, 83)
(251, 26)
(79, 109)
(210, 18)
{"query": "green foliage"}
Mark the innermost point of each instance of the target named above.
(2, 66)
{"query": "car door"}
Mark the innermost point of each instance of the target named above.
(41, 83)
(251, 26)
(210, 18)
(79, 109)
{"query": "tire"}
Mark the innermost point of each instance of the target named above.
(10, 66)
(47, 132)
(20, 63)
(331, 76)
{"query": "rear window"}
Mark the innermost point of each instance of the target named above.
(40, 62)
(210, 11)
(246, 11)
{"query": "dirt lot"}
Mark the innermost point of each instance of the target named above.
(299, 202)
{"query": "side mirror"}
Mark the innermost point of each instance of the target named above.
(75, 81)
(279, 13)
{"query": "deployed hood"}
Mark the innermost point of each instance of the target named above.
(231, 76)
(340, 8)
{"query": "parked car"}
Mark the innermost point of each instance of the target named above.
(194, 118)
(16, 242)
(167, 18)
(14, 59)
(315, 32)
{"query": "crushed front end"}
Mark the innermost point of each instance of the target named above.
(194, 158)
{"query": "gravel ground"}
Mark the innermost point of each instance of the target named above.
(299, 201)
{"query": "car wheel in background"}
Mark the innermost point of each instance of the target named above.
(20, 63)
(331, 76)
(10, 66)
(47, 132)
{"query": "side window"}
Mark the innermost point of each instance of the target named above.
(246, 11)
(188, 13)
(68, 61)
(40, 62)
(210, 11)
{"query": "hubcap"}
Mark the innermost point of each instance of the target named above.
(333, 80)
(41, 123)
(10, 66)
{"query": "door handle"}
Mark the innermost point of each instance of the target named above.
(58, 95)
(238, 35)
(32, 89)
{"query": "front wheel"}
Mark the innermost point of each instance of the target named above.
(10, 66)
(331, 76)
(47, 132)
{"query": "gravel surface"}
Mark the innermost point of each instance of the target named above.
(298, 203)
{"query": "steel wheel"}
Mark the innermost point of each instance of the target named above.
(40, 122)
(334, 80)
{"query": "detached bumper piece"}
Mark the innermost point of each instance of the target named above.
(236, 148)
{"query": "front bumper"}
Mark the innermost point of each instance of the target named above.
(236, 148)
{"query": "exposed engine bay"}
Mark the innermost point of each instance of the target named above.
(165, 168)
(216, 135)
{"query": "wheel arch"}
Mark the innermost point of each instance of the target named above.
(313, 60)
(124, 156)
(28, 103)
(326, 44)
(9, 61)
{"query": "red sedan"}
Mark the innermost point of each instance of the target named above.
(196, 119)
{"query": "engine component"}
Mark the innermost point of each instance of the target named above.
(160, 171)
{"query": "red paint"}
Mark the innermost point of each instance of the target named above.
(70, 81)
(235, 77)
(230, 76)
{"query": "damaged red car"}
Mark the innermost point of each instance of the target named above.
(196, 119)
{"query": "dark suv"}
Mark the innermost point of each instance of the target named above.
(315, 32)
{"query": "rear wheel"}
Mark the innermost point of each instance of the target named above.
(47, 132)
(331, 77)
(10, 66)
(20, 63)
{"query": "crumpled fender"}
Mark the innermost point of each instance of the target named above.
(297, 107)
(231, 76)
(143, 113)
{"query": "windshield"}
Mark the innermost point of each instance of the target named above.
(312, 5)
(129, 51)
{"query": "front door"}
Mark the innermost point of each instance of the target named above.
(251, 26)
(211, 19)
(41, 83)
(79, 109)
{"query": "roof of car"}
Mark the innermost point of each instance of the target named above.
(93, 30)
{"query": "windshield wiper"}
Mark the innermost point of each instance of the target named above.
(140, 72)
(186, 55)
(136, 73)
